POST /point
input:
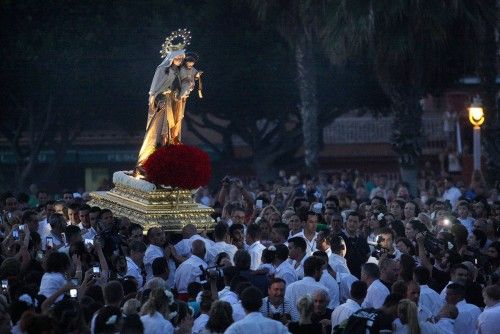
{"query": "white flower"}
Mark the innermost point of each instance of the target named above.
(170, 296)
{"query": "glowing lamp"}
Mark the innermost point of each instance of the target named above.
(476, 113)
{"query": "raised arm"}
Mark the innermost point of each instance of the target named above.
(424, 259)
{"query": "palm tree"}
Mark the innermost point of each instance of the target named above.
(298, 22)
(414, 46)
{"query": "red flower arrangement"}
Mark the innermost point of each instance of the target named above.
(178, 166)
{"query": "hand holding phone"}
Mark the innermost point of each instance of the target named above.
(49, 242)
(96, 270)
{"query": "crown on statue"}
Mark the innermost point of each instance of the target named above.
(177, 40)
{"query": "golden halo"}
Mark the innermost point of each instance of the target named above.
(183, 36)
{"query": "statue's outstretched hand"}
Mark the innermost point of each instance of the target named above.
(151, 100)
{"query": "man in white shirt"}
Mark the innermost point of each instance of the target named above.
(221, 246)
(74, 218)
(297, 252)
(190, 234)
(467, 313)
(190, 270)
(337, 259)
(385, 243)
(43, 225)
(255, 248)
(345, 282)
(135, 262)
(328, 280)
(284, 269)
(57, 224)
(274, 305)
(308, 285)
(155, 249)
(488, 322)
(310, 221)
(451, 193)
(344, 311)
(87, 230)
(458, 274)
(379, 288)
(254, 321)
(463, 216)
(429, 298)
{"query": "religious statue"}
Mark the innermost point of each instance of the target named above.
(173, 81)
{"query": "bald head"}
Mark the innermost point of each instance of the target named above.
(198, 248)
(188, 231)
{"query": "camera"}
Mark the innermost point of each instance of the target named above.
(214, 272)
(377, 252)
(432, 244)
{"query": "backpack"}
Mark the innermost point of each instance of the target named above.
(361, 321)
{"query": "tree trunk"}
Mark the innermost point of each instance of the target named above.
(488, 73)
(306, 75)
(407, 136)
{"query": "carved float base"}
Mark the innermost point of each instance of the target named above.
(152, 206)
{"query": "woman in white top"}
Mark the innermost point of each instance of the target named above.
(155, 313)
(55, 277)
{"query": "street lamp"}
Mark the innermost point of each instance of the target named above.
(476, 117)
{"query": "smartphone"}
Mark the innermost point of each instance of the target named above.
(258, 204)
(317, 207)
(63, 238)
(21, 227)
(15, 234)
(96, 270)
(49, 242)
(73, 293)
(5, 284)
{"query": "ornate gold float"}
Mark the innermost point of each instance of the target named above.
(152, 206)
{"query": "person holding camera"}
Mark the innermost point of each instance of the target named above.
(384, 247)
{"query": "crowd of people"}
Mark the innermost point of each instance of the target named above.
(333, 254)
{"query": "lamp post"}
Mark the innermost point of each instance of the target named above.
(476, 117)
